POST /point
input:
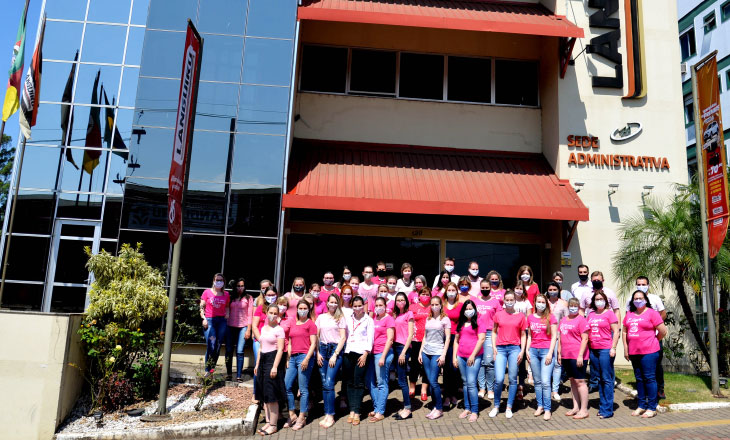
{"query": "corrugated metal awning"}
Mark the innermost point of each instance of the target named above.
(425, 180)
(469, 15)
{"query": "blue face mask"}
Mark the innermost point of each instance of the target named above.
(464, 289)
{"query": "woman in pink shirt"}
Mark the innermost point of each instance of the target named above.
(524, 274)
(573, 356)
(464, 286)
(320, 304)
(508, 345)
(214, 311)
(452, 308)
(302, 343)
(496, 286)
(443, 281)
(643, 329)
(487, 306)
(239, 328)
(543, 328)
(602, 341)
(420, 282)
(367, 288)
(296, 293)
(328, 286)
(467, 356)
(379, 365)
(332, 334)
(382, 293)
(421, 311)
(266, 371)
(404, 330)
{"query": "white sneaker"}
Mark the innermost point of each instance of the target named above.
(481, 394)
(508, 413)
(493, 413)
(556, 396)
(490, 395)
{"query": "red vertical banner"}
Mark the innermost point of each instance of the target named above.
(713, 164)
(183, 131)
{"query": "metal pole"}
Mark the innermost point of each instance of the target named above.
(11, 219)
(169, 328)
(2, 130)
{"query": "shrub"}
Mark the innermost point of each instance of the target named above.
(118, 392)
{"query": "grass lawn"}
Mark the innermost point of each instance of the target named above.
(679, 388)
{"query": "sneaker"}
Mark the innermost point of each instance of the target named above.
(493, 413)
(481, 394)
(508, 413)
(556, 396)
(490, 395)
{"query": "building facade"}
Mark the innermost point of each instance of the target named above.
(343, 132)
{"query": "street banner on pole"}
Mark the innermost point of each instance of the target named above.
(183, 132)
(713, 163)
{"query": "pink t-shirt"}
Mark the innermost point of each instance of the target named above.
(600, 336)
(241, 312)
(641, 331)
(368, 293)
(401, 326)
(262, 316)
(475, 289)
(319, 307)
(511, 326)
(498, 295)
(293, 303)
(420, 315)
(381, 332)
(371, 305)
(329, 329)
(468, 339)
(486, 310)
(299, 335)
(532, 292)
(377, 281)
(286, 324)
(437, 291)
(570, 336)
(453, 315)
(269, 336)
(215, 305)
(538, 331)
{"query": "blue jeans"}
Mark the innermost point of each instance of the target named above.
(402, 373)
(469, 377)
(645, 373)
(506, 358)
(602, 362)
(256, 348)
(541, 375)
(329, 376)
(294, 372)
(431, 366)
(486, 372)
(236, 338)
(215, 335)
(377, 379)
(557, 372)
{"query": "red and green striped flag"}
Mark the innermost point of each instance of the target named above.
(15, 75)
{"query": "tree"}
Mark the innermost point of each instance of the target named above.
(7, 154)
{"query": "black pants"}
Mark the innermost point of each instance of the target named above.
(354, 376)
(452, 376)
(660, 369)
(416, 369)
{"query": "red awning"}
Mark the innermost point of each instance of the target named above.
(423, 180)
(468, 15)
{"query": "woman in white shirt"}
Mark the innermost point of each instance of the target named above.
(433, 351)
(360, 334)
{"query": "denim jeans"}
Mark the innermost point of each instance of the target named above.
(486, 372)
(431, 366)
(645, 373)
(256, 347)
(541, 375)
(506, 358)
(402, 373)
(377, 379)
(215, 335)
(660, 368)
(328, 375)
(557, 372)
(294, 372)
(602, 362)
(236, 338)
(469, 377)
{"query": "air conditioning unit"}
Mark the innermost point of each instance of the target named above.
(683, 68)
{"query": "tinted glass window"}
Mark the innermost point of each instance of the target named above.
(204, 207)
(171, 14)
(272, 18)
(324, 69)
(253, 258)
(45, 166)
(372, 71)
(470, 79)
(22, 296)
(421, 76)
(222, 16)
(145, 205)
(61, 40)
(65, 9)
(254, 211)
(222, 55)
(161, 53)
(28, 258)
(259, 160)
(34, 212)
(202, 257)
(103, 43)
(155, 245)
(82, 206)
(516, 82)
(263, 109)
(116, 11)
(267, 61)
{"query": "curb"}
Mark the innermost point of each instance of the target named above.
(698, 406)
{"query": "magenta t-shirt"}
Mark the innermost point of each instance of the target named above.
(437, 291)
(319, 306)
(262, 316)
(468, 338)
(453, 315)
(420, 315)
(401, 326)
(600, 336)
(299, 336)
(641, 331)
(511, 326)
(498, 295)
(381, 332)
(215, 305)
(368, 293)
(538, 331)
(486, 310)
(570, 336)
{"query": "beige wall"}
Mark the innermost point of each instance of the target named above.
(39, 388)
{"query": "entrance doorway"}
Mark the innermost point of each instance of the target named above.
(505, 258)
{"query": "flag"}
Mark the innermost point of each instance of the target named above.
(119, 148)
(93, 131)
(12, 94)
(32, 87)
(67, 113)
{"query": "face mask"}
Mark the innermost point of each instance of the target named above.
(263, 291)
(328, 282)
(485, 292)
(401, 305)
(451, 294)
(518, 292)
(573, 310)
(540, 306)
(424, 299)
(302, 313)
(559, 283)
(383, 294)
(391, 287)
(299, 288)
(346, 277)
(367, 276)
(407, 274)
(583, 278)
(448, 268)
(357, 309)
(332, 306)
(381, 273)
(643, 288)
(494, 283)
(509, 304)
(436, 309)
(239, 288)
(219, 284)
(469, 313)
(474, 272)
(600, 305)
(525, 277)
(315, 294)
(272, 318)
(464, 289)
(282, 309)
(597, 284)
(270, 299)
(553, 293)
(379, 310)
(444, 282)
(347, 297)
(639, 303)
(355, 288)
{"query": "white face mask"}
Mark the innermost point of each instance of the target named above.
(644, 289)
(451, 294)
(379, 310)
(573, 310)
(346, 277)
(525, 277)
(474, 272)
(315, 294)
(219, 284)
(518, 292)
(600, 305)
(270, 299)
(540, 306)
(448, 268)
(469, 313)
(407, 274)
(272, 318)
(282, 309)
(391, 287)
(509, 304)
(302, 313)
(383, 294)
(436, 309)
(332, 306)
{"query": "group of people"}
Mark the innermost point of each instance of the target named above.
(469, 330)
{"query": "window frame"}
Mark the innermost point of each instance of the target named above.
(693, 51)
(725, 16)
(713, 18)
(727, 80)
(688, 101)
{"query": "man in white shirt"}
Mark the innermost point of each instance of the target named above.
(656, 303)
(583, 286)
(448, 267)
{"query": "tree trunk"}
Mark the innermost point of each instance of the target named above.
(723, 332)
(689, 315)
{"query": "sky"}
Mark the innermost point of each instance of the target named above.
(9, 20)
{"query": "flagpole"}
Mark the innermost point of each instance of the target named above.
(2, 130)
(11, 219)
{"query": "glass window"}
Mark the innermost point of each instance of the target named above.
(116, 11)
(66, 299)
(130, 77)
(83, 206)
(324, 69)
(202, 257)
(145, 205)
(154, 148)
(162, 53)
(53, 81)
(372, 71)
(65, 10)
(689, 113)
(171, 14)
(209, 156)
(73, 270)
(205, 207)
(108, 78)
(140, 8)
(156, 103)
(263, 109)
(516, 82)
(34, 213)
(254, 210)
(259, 160)
(135, 42)
(504, 258)
(223, 17)
(47, 129)
(687, 43)
(81, 180)
(253, 258)
(267, 62)
(216, 106)
(470, 79)
(40, 165)
(272, 18)
(61, 40)
(709, 22)
(23, 296)
(80, 124)
(108, 245)
(421, 76)
(112, 211)
(222, 58)
(155, 245)
(725, 10)
(120, 147)
(727, 80)
(103, 43)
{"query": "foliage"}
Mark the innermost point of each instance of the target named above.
(188, 327)
(118, 392)
(676, 350)
(207, 381)
(147, 372)
(679, 388)
(7, 155)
